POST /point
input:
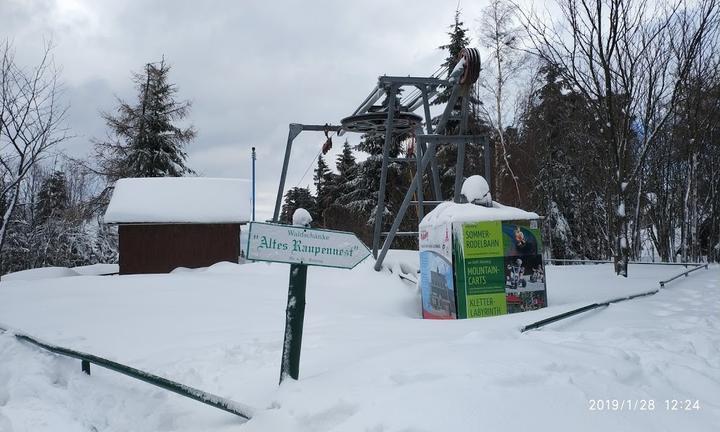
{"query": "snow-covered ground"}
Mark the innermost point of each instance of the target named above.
(369, 363)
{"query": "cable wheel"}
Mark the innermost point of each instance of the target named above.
(403, 122)
(472, 65)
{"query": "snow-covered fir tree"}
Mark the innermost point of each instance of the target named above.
(447, 154)
(296, 198)
(345, 161)
(53, 198)
(145, 140)
(459, 39)
(323, 179)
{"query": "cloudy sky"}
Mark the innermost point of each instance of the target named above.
(249, 67)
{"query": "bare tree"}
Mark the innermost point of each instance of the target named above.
(629, 59)
(30, 124)
(500, 34)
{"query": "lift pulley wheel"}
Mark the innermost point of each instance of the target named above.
(403, 122)
(472, 65)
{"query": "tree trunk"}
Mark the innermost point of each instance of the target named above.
(6, 221)
(621, 255)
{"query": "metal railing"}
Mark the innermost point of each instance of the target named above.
(587, 308)
(86, 359)
(589, 261)
(593, 306)
(685, 273)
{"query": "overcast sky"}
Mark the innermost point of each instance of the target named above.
(249, 67)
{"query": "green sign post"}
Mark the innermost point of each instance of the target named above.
(300, 247)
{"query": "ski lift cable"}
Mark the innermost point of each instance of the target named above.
(311, 163)
(417, 92)
(308, 168)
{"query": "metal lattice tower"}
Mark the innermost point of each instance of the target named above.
(392, 119)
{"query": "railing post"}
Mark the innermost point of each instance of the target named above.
(85, 366)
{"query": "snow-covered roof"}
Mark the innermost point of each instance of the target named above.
(179, 200)
(448, 212)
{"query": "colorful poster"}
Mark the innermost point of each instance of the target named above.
(482, 239)
(437, 285)
(521, 238)
(525, 283)
(498, 268)
(479, 275)
(524, 270)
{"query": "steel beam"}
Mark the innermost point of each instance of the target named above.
(295, 129)
(431, 92)
(434, 171)
(453, 139)
(442, 123)
(399, 81)
(383, 174)
(320, 128)
(403, 207)
(460, 162)
(433, 141)
(418, 179)
(370, 100)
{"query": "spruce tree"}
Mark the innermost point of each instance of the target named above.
(323, 179)
(345, 160)
(296, 198)
(458, 40)
(53, 198)
(147, 142)
(447, 154)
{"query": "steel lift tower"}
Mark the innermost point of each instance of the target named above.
(381, 114)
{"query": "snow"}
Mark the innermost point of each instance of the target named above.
(97, 269)
(448, 212)
(621, 210)
(56, 272)
(476, 190)
(40, 273)
(457, 70)
(652, 198)
(369, 362)
(180, 200)
(301, 217)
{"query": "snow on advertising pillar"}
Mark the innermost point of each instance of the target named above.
(480, 259)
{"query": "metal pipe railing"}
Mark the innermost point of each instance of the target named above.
(685, 273)
(583, 261)
(215, 401)
(587, 308)
(593, 306)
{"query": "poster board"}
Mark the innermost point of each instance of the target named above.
(437, 284)
(498, 267)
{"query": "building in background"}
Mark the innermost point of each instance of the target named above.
(169, 222)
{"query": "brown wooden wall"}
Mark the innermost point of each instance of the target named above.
(160, 248)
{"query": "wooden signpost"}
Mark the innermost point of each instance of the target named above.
(301, 247)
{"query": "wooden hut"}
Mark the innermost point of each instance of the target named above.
(169, 222)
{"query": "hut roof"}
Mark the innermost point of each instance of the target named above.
(179, 200)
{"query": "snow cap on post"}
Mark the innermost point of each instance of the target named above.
(475, 189)
(301, 217)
